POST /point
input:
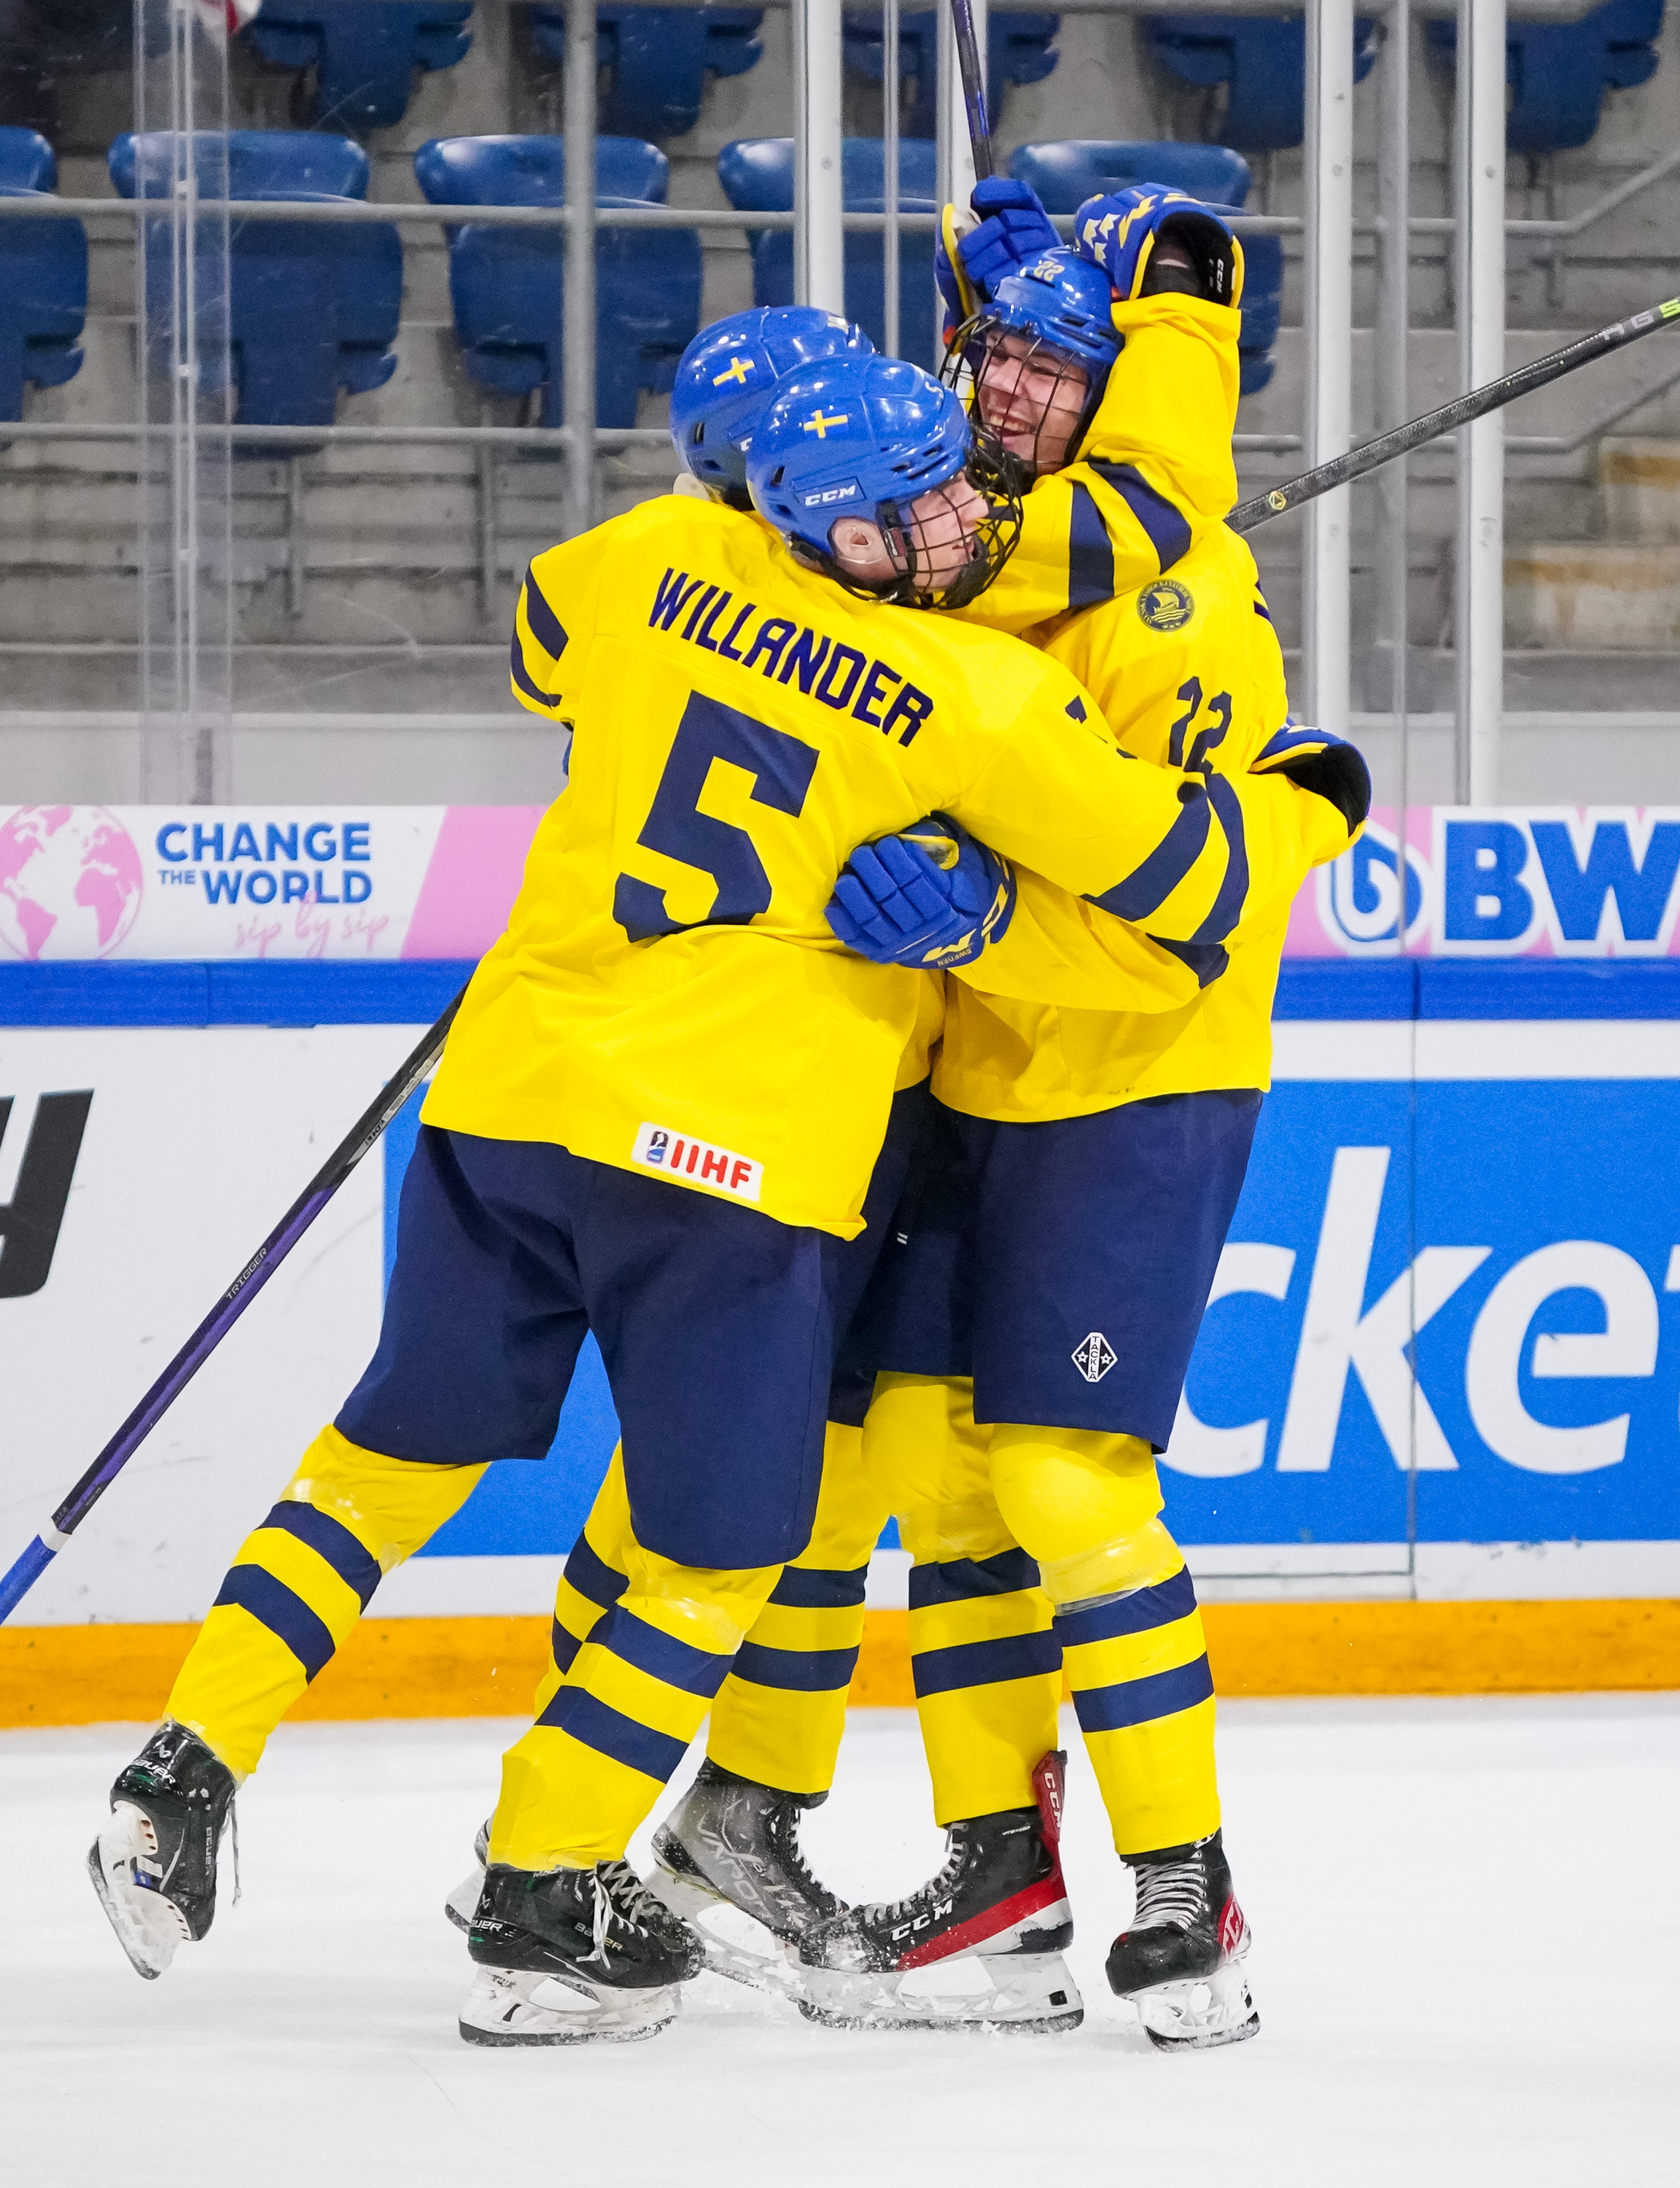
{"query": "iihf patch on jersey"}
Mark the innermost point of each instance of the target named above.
(1166, 605)
(1093, 1355)
(677, 1154)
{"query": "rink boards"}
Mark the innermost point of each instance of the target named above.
(1466, 1166)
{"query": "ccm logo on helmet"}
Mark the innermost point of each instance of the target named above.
(826, 495)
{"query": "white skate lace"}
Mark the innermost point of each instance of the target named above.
(620, 1896)
(1170, 1896)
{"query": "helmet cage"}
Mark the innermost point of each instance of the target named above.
(976, 361)
(993, 540)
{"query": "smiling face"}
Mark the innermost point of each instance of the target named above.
(1030, 399)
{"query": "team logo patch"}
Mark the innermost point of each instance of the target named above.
(1166, 605)
(677, 1154)
(1093, 1355)
(827, 496)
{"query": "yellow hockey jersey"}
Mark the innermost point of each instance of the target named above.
(668, 996)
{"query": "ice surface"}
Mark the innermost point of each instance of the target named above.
(1467, 1917)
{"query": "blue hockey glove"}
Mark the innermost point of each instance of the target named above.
(930, 899)
(1013, 227)
(1124, 234)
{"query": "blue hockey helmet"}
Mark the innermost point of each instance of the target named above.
(727, 375)
(1058, 309)
(867, 436)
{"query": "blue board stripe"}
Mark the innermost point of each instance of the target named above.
(1142, 1701)
(611, 1734)
(1140, 1612)
(287, 1617)
(413, 991)
(355, 1564)
(961, 1580)
(984, 1663)
(795, 1671)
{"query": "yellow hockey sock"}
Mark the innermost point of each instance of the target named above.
(299, 1583)
(986, 1665)
(780, 1713)
(1127, 1621)
(592, 1580)
(580, 1780)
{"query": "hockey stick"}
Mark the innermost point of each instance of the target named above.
(1371, 455)
(974, 89)
(220, 1320)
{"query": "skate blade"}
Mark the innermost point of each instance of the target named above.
(462, 1904)
(1031, 1994)
(737, 1945)
(148, 1928)
(1199, 2017)
(510, 2006)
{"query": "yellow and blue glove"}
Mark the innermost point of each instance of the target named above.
(1124, 232)
(970, 260)
(931, 898)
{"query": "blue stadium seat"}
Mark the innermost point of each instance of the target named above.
(1020, 48)
(43, 277)
(364, 56)
(657, 59)
(505, 284)
(1263, 60)
(756, 173)
(1559, 72)
(1065, 175)
(311, 308)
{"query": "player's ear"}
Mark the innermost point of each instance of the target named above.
(855, 539)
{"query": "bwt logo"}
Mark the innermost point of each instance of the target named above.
(30, 1222)
(1597, 883)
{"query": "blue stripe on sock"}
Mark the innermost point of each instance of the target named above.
(814, 1587)
(599, 1583)
(661, 1656)
(963, 1579)
(356, 1566)
(1139, 1612)
(796, 1671)
(613, 1734)
(1141, 1701)
(984, 1663)
(287, 1617)
(565, 1646)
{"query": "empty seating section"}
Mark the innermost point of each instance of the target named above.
(506, 284)
(1559, 72)
(1065, 175)
(363, 56)
(1020, 48)
(311, 308)
(1261, 59)
(757, 174)
(656, 60)
(43, 277)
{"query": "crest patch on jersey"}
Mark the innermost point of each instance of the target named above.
(1093, 1355)
(1166, 605)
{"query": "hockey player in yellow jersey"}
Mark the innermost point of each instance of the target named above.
(1090, 1164)
(656, 1114)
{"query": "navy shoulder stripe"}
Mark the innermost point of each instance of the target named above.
(1090, 553)
(1167, 528)
(521, 675)
(546, 627)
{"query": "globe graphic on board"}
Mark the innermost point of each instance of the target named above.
(71, 881)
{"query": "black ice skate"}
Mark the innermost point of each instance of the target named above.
(154, 1863)
(979, 1947)
(1180, 1962)
(462, 1903)
(572, 1955)
(729, 1859)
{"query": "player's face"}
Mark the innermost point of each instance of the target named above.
(940, 531)
(1031, 397)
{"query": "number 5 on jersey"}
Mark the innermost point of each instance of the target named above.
(781, 768)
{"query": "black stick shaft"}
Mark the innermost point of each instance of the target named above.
(1371, 455)
(223, 1315)
(973, 87)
